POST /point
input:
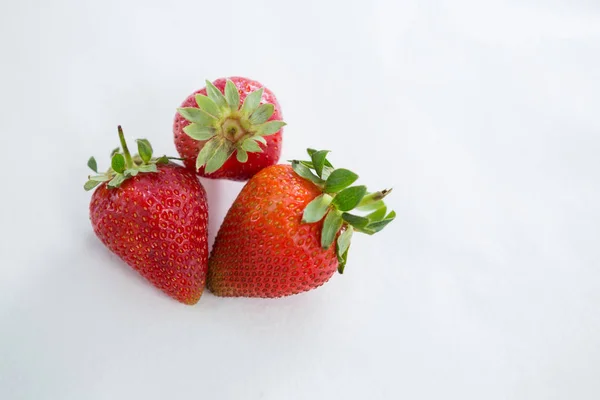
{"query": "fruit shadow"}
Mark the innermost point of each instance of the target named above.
(220, 195)
(80, 301)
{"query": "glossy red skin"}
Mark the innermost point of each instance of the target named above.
(263, 249)
(189, 148)
(157, 224)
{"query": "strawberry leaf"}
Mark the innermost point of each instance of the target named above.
(251, 146)
(331, 226)
(196, 115)
(99, 178)
(222, 152)
(312, 151)
(377, 226)
(306, 173)
(262, 114)
(144, 150)
(89, 185)
(269, 128)
(260, 139)
(378, 214)
(338, 179)
(231, 95)
(318, 160)
(206, 104)
(116, 181)
(342, 246)
(355, 220)
(241, 155)
(215, 95)
(118, 163)
(199, 132)
(148, 168)
(251, 103)
(92, 164)
(349, 198)
(316, 209)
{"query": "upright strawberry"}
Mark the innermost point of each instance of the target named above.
(153, 214)
(277, 238)
(235, 116)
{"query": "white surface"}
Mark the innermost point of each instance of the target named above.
(482, 115)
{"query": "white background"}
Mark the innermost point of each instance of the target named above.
(483, 116)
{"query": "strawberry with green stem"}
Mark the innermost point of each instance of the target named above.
(290, 229)
(231, 129)
(153, 214)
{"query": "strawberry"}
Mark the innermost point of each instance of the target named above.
(277, 237)
(153, 214)
(230, 116)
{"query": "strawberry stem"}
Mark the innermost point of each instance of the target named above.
(128, 160)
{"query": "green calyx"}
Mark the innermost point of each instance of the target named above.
(227, 127)
(345, 208)
(123, 165)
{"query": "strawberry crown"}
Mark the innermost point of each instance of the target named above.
(345, 208)
(228, 127)
(123, 166)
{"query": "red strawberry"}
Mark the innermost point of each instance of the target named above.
(238, 117)
(153, 215)
(277, 237)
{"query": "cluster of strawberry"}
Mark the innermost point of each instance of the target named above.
(287, 232)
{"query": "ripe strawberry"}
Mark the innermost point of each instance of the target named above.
(277, 236)
(239, 116)
(153, 214)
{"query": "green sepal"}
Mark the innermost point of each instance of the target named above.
(378, 214)
(199, 132)
(305, 173)
(164, 160)
(342, 260)
(260, 139)
(232, 95)
(115, 151)
(251, 146)
(318, 160)
(376, 205)
(144, 150)
(149, 168)
(92, 164)
(377, 226)
(316, 209)
(251, 102)
(337, 199)
(269, 128)
(312, 151)
(116, 181)
(125, 166)
(130, 172)
(349, 198)
(262, 114)
(331, 226)
(207, 105)
(197, 116)
(339, 179)
(222, 154)
(355, 220)
(342, 247)
(99, 178)
(118, 163)
(241, 155)
(89, 185)
(215, 95)
(373, 201)
(214, 154)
